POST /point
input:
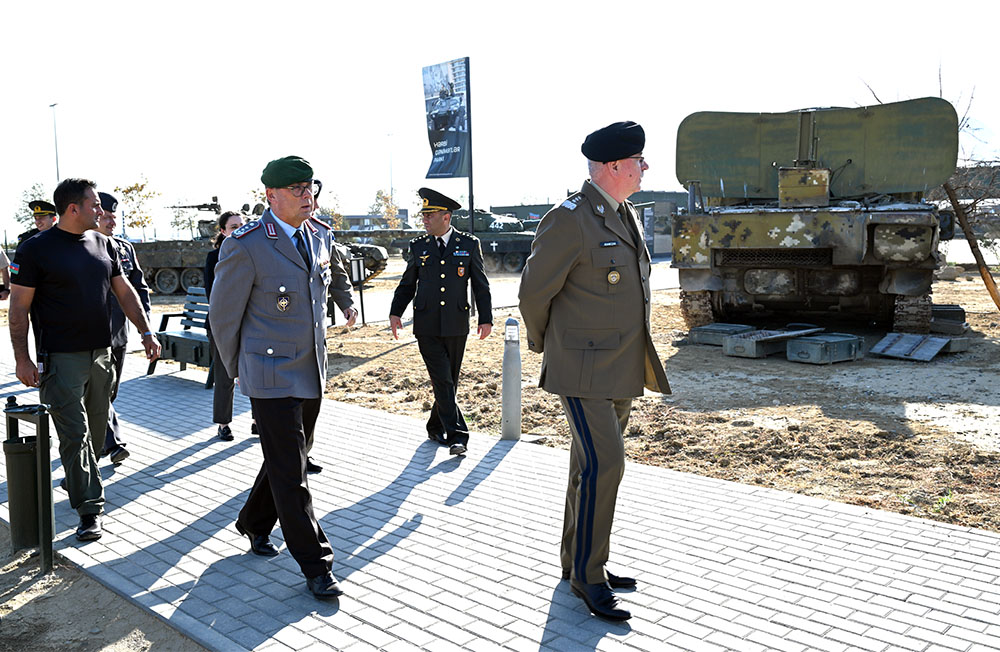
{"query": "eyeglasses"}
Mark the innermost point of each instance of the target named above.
(642, 161)
(314, 187)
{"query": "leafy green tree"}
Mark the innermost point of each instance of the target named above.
(386, 206)
(133, 200)
(184, 219)
(33, 192)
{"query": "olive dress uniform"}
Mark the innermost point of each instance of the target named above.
(584, 298)
(439, 288)
(268, 311)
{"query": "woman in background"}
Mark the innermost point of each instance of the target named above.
(222, 405)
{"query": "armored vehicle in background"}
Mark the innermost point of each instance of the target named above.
(505, 241)
(814, 211)
(176, 265)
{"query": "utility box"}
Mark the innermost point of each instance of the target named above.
(713, 334)
(825, 348)
(808, 187)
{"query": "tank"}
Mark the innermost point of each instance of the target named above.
(505, 241)
(817, 211)
(172, 266)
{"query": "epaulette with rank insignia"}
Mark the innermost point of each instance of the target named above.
(572, 201)
(246, 228)
(320, 222)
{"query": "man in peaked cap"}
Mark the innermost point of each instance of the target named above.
(436, 279)
(44, 215)
(584, 297)
(268, 312)
(114, 444)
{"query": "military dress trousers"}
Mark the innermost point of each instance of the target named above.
(584, 298)
(439, 288)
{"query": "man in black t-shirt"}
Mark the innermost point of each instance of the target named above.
(63, 276)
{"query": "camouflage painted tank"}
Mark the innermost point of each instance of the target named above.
(815, 211)
(505, 241)
(172, 266)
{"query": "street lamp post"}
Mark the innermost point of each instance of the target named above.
(55, 137)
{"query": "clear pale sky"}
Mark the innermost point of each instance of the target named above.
(198, 96)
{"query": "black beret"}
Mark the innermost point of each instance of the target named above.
(614, 142)
(41, 208)
(434, 201)
(108, 202)
(283, 172)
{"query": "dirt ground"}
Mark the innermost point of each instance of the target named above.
(908, 437)
(915, 438)
(68, 611)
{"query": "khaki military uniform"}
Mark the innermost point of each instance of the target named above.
(584, 298)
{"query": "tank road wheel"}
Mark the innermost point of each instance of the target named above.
(696, 308)
(492, 263)
(166, 281)
(513, 261)
(192, 277)
(912, 314)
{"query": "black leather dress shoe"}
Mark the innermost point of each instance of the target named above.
(457, 449)
(253, 428)
(226, 433)
(324, 586)
(616, 581)
(90, 528)
(312, 467)
(438, 437)
(601, 600)
(260, 544)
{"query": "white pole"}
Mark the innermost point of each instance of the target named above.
(511, 402)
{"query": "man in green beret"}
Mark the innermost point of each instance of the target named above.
(268, 313)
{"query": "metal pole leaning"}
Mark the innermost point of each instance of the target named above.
(511, 401)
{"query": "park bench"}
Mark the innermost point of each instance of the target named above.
(189, 344)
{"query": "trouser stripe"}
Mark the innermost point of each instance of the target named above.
(588, 491)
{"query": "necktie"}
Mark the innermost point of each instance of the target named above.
(629, 223)
(300, 244)
(441, 248)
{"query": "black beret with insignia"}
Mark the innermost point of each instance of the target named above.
(108, 202)
(285, 171)
(41, 208)
(434, 201)
(614, 142)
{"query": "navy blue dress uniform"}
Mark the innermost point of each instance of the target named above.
(114, 444)
(438, 284)
(268, 311)
(584, 298)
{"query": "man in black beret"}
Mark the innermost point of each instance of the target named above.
(268, 314)
(44, 215)
(584, 297)
(114, 443)
(436, 279)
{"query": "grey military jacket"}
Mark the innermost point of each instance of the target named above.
(268, 311)
(584, 298)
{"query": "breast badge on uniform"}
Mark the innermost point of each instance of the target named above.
(614, 276)
(283, 302)
(461, 271)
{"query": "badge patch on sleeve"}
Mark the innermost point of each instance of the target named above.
(14, 268)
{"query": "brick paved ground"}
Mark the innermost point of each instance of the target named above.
(439, 553)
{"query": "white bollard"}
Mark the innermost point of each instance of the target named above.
(511, 402)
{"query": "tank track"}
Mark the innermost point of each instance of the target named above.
(696, 308)
(912, 314)
(378, 269)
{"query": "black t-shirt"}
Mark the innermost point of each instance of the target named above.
(71, 275)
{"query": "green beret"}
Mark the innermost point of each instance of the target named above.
(283, 172)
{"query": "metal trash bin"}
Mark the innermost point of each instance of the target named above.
(22, 491)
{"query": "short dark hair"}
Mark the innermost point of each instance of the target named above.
(70, 191)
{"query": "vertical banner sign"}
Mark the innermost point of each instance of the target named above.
(446, 97)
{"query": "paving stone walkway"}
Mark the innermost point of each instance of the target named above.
(438, 553)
